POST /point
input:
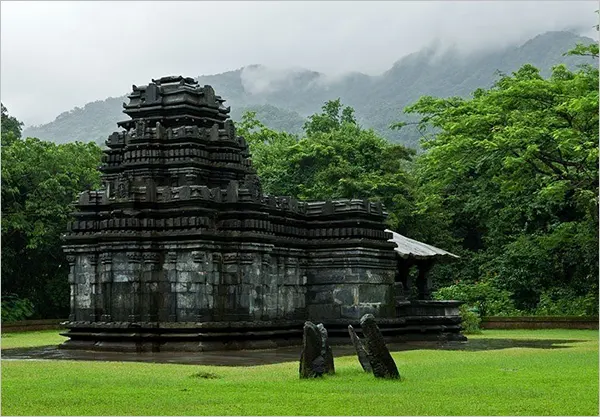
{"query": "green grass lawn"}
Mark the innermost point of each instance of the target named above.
(515, 381)
(31, 339)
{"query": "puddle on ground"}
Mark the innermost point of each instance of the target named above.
(263, 357)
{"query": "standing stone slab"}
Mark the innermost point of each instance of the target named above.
(379, 356)
(363, 357)
(326, 351)
(312, 363)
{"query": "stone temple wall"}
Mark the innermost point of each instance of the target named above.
(130, 279)
(187, 283)
(350, 282)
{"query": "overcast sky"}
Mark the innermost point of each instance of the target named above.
(58, 55)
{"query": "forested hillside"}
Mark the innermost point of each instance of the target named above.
(283, 99)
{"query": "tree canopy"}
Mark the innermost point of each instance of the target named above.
(11, 127)
(336, 158)
(515, 170)
(40, 181)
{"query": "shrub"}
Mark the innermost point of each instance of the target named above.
(15, 308)
(483, 296)
(564, 302)
(470, 320)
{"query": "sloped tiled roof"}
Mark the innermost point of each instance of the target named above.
(410, 248)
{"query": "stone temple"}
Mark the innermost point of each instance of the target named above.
(181, 250)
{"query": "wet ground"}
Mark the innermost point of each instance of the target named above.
(263, 357)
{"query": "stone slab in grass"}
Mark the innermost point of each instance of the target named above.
(379, 356)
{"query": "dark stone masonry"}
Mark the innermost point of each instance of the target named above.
(181, 250)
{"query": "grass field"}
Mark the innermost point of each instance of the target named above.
(516, 381)
(31, 339)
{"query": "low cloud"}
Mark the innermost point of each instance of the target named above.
(58, 55)
(259, 79)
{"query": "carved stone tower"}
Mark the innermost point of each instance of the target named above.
(182, 250)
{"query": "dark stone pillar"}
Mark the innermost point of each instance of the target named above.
(403, 279)
(423, 280)
(312, 363)
(326, 351)
(379, 356)
(105, 273)
(363, 357)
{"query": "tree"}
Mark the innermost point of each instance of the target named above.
(516, 170)
(40, 180)
(269, 149)
(334, 115)
(336, 159)
(11, 127)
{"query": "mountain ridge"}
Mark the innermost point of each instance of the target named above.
(283, 98)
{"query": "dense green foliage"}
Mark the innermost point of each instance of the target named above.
(568, 302)
(11, 127)
(15, 308)
(509, 181)
(40, 180)
(471, 320)
(283, 101)
(481, 297)
(540, 379)
(336, 158)
(513, 174)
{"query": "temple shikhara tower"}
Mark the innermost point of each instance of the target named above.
(181, 249)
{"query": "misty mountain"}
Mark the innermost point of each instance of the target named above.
(283, 99)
